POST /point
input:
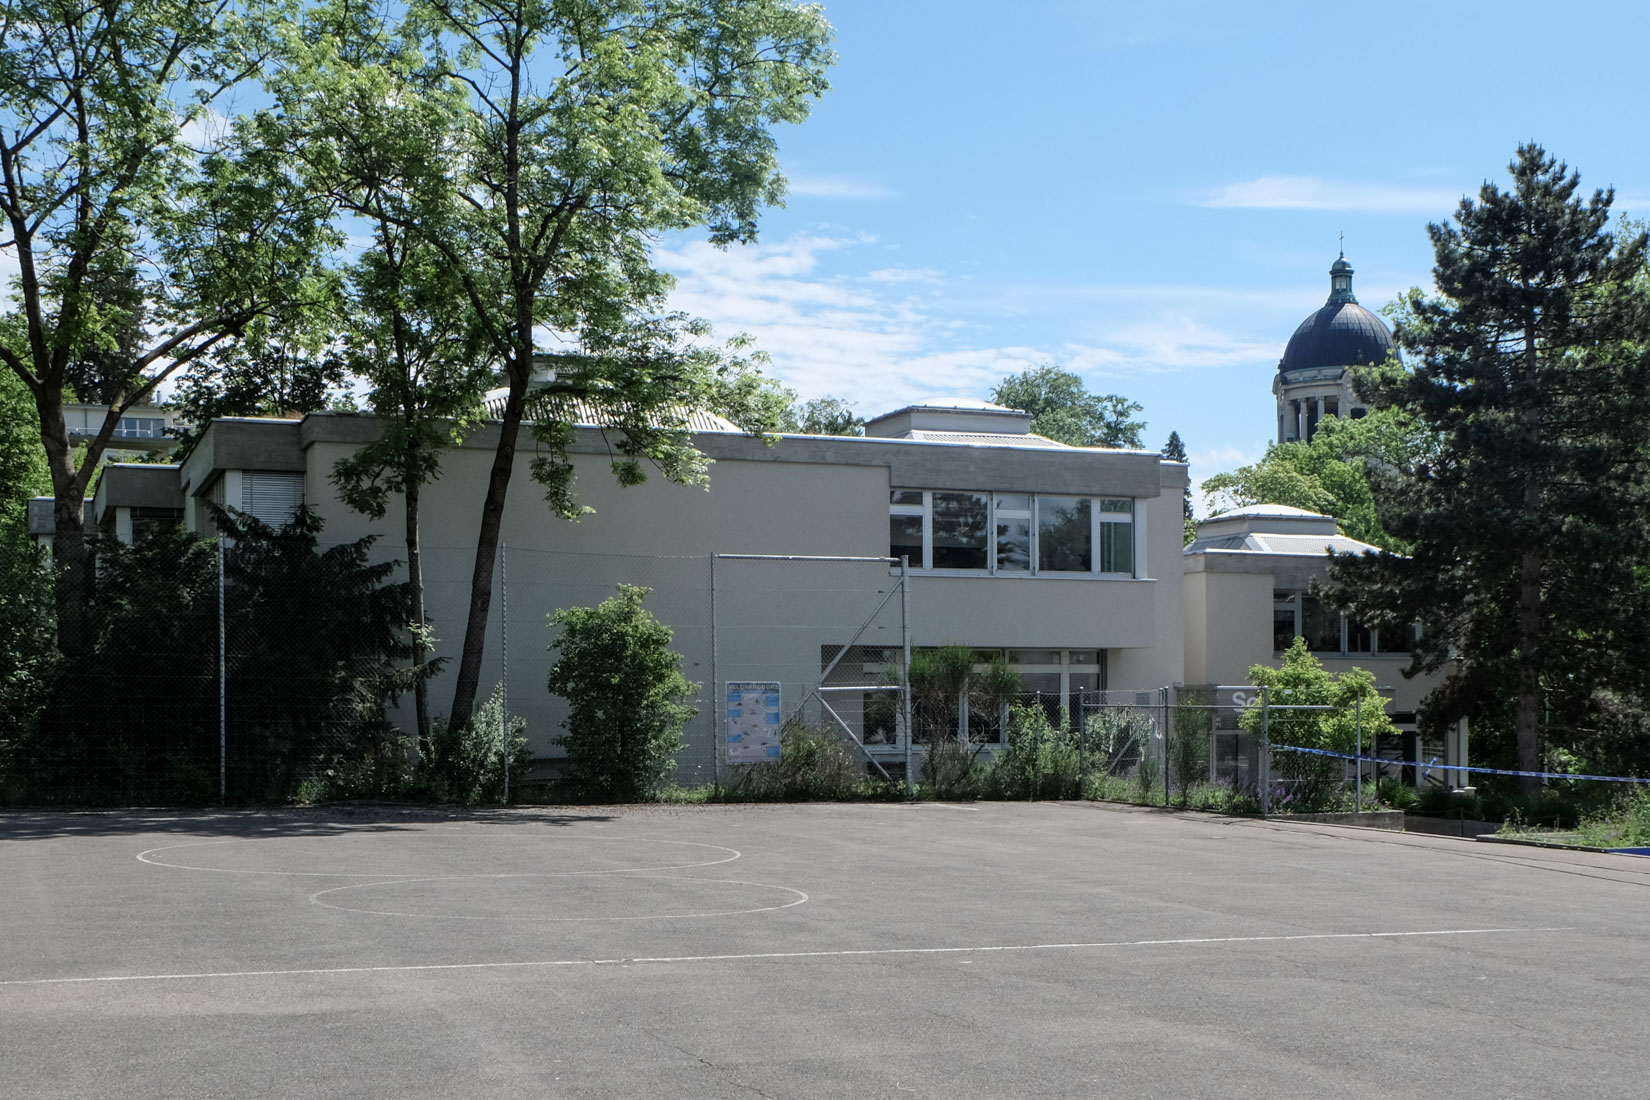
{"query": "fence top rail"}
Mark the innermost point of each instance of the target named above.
(805, 557)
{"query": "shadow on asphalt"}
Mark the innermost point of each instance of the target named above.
(248, 824)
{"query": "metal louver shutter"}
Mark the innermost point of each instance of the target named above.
(272, 498)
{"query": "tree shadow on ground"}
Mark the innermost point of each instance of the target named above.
(253, 824)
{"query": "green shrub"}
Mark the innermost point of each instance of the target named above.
(812, 764)
(464, 763)
(1039, 761)
(625, 690)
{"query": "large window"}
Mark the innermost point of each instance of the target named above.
(1011, 533)
(1302, 614)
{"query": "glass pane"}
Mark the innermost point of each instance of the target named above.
(961, 527)
(1117, 548)
(1013, 545)
(1078, 683)
(905, 496)
(1084, 657)
(1320, 626)
(1034, 656)
(1283, 628)
(1063, 535)
(1014, 503)
(905, 539)
(1125, 505)
(1359, 638)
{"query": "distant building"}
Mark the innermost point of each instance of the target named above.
(1313, 379)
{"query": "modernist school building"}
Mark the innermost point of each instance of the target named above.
(1065, 561)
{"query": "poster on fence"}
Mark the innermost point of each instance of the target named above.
(753, 721)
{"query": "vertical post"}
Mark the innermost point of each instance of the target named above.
(1168, 731)
(504, 663)
(223, 687)
(716, 732)
(1265, 751)
(1358, 724)
(905, 635)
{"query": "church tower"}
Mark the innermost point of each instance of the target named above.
(1313, 376)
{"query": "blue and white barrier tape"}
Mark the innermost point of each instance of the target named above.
(1435, 766)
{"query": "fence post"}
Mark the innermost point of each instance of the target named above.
(716, 731)
(1167, 733)
(504, 662)
(1358, 726)
(905, 632)
(223, 687)
(1265, 751)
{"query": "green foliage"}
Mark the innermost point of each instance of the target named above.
(1334, 474)
(944, 678)
(825, 416)
(552, 145)
(812, 764)
(1313, 782)
(1039, 760)
(1061, 408)
(1175, 451)
(625, 690)
(1191, 734)
(466, 763)
(1526, 526)
(151, 232)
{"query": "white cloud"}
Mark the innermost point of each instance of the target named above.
(893, 335)
(1312, 193)
(904, 275)
(835, 187)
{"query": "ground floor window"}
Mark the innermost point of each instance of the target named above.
(1055, 679)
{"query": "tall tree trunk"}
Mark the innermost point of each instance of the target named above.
(1527, 706)
(415, 584)
(70, 553)
(481, 578)
(1527, 715)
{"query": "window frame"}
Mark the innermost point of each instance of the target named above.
(1002, 508)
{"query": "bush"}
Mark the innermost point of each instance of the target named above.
(1039, 761)
(812, 764)
(625, 691)
(465, 763)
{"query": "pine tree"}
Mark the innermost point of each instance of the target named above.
(1175, 451)
(1528, 523)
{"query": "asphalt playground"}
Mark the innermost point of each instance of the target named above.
(929, 950)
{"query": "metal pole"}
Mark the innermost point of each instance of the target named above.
(1166, 736)
(504, 663)
(905, 632)
(716, 731)
(1265, 751)
(223, 688)
(1358, 720)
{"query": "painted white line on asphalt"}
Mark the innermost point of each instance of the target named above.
(766, 955)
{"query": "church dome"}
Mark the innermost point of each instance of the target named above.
(1341, 334)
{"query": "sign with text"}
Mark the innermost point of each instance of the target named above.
(752, 721)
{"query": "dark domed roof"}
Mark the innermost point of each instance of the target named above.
(1341, 334)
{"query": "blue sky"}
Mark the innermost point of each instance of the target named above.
(1150, 194)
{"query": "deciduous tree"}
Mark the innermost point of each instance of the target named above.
(1062, 408)
(588, 127)
(146, 229)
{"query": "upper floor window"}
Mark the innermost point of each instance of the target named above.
(140, 427)
(1302, 614)
(1012, 532)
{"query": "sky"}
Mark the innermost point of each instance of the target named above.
(1149, 194)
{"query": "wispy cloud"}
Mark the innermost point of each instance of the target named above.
(1313, 193)
(835, 187)
(892, 335)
